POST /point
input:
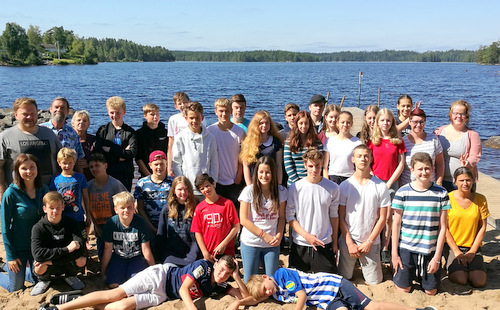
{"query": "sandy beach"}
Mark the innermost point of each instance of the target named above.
(450, 296)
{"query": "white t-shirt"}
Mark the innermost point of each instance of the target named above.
(340, 155)
(228, 149)
(312, 205)
(176, 123)
(361, 204)
(430, 145)
(265, 220)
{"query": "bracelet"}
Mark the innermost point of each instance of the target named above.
(261, 234)
(369, 241)
(437, 262)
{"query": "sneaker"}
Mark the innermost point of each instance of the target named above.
(75, 283)
(64, 297)
(385, 257)
(428, 308)
(40, 288)
(47, 306)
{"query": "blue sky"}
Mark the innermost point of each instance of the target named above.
(309, 26)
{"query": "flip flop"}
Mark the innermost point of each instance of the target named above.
(65, 297)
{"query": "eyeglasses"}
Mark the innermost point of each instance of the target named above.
(459, 114)
(417, 122)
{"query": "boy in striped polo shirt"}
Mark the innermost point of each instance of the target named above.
(419, 228)
(323, 290)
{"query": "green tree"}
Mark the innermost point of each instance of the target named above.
(34, 37)
(15, 42)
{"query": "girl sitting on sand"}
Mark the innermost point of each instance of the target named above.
(466, 229)
(176, 243)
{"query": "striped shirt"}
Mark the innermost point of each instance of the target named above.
(420, 220)
(321, 288)
(430, 145)
(294, 164)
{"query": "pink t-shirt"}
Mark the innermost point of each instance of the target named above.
(214, 222)
(385, 157)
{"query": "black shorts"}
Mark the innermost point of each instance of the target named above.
(453, 265)
(306, 259)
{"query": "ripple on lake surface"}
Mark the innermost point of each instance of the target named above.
(266, 86)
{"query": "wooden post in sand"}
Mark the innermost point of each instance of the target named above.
(342, 102)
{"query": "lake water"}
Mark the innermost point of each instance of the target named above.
(266, 86)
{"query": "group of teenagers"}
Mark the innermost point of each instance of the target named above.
(391, 194)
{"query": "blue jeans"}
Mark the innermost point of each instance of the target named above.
(15, 281)
(253, 256)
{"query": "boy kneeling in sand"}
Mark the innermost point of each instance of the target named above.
(57, 246)
(323, 290)
(158, 283)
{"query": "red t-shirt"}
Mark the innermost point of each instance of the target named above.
(385, 157)
(214, 222)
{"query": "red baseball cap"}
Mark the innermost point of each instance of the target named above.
(155, 155)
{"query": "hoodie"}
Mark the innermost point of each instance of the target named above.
(194, 154)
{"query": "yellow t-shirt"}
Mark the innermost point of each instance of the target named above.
(464, 223)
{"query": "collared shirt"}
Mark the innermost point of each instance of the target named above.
(68, 137)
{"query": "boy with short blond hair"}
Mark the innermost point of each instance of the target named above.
(127, 239)
(215, 221)
(364, 201)
(323, 290)
(151, 136)
(117, 142)
(73, 188)
(195, 149)
(228, 138)
(419, 228)
(57, 246)
(176, 123)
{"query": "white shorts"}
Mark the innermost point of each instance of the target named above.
(370, 263)
(148, 286)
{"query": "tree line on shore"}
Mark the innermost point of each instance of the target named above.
(21, 47)
(60, 46)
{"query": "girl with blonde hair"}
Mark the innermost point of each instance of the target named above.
(263, 139)
(388, 163)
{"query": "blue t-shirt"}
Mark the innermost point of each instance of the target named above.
(127, 241)
(321, 288)
(154, 195)
(201, 273)
(71, 190)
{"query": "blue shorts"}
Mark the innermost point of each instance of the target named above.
(415, 267)
(121, 269)
(349, 296)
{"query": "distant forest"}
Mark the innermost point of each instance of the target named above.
(59, 46)
(283, 56)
